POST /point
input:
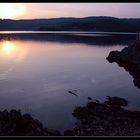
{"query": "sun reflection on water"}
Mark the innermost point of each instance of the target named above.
(11, 50)
(8, 47)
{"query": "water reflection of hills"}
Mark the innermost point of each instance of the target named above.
(102, 40)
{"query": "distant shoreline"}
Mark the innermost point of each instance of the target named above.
(90, 38)
(90, 24)
(68, 32)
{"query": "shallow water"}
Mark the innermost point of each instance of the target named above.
(37, 71)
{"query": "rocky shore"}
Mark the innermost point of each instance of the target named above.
(13, 123)
(130, 54)
(129, 59)
(109, 118)
(106, 119)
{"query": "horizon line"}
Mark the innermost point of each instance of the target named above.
(68, 17)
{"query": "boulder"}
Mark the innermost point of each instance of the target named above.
(130, 54)
(129, 59)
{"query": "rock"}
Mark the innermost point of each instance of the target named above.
(5, 115)
(97, 101)
(38, 132)
(130, 54)
(129, 58)
(54, 132)
(91, 104)
(69, 133)
(78, 112)
(113, 56)
(15, 115)
(72, 93)
(103, 119)
(94, 119)
(38, 123)
(75, 90)
(13, 123)
(116, 101)
(30, 133)
(27, 118)
(1, 115)
(89, 98)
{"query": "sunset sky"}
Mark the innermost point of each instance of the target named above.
(52, 10)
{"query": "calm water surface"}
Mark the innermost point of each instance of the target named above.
(36, 75)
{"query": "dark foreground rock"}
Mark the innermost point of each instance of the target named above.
(13, 123)
(106, 119)
(129, 59)
(130, 54)
(109, 118)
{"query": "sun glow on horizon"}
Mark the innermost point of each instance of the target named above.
(11, 11)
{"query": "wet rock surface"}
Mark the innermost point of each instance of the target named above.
(106, 119)
(13, 123)
(129, 59)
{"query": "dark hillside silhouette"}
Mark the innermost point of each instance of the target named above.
(101, 23)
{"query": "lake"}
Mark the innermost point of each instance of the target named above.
(38, 69)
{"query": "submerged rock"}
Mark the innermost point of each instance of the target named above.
(72, 93)
(89, 98)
